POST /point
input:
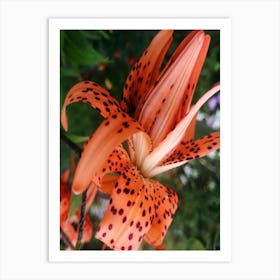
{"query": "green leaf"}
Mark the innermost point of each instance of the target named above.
(196, 244)
(104, 34)
(92, 35)
(72, 72)
(62, 55)
(61, 39)
(75, 202)
(79, 50)
(76, 138)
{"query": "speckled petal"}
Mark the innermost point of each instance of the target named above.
(159, 113)
(111, 133)
(145, 71)
(116, 162)
(190, 89)
(130, 212)
(195, 149)
(65, 196)
(174, 138)
(93, 94)
(188, 150)
(167, 203)
(179, 49)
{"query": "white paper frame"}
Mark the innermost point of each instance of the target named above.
(24, 166)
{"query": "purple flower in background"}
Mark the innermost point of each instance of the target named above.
(210, 121)
(214, 121)
(213, 102)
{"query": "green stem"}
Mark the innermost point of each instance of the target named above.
(81, 221)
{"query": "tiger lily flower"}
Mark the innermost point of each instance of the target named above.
(157, 122)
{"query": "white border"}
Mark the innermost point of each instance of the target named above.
(222, 255)
(24, 139)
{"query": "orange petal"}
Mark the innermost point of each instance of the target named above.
(93, 94)
(64, 209)
(72, 162)
(189, 91)
(130, 213)
(164, 213)
(195, 149)
(190, 132)
(159, 113)
(116, 162)
(107, 184)
(70, 232)
(65, 196)
(145, 71)
(188, 150)
(175, 136)
(160, 248)
(111, 133)
(174, 56)
(64, 187)
(65, 176)
(179, 49)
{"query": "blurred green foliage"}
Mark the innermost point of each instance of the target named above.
(106, 57)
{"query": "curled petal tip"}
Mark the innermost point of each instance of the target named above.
(77, 188)
(167, 32)
(64, 120)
